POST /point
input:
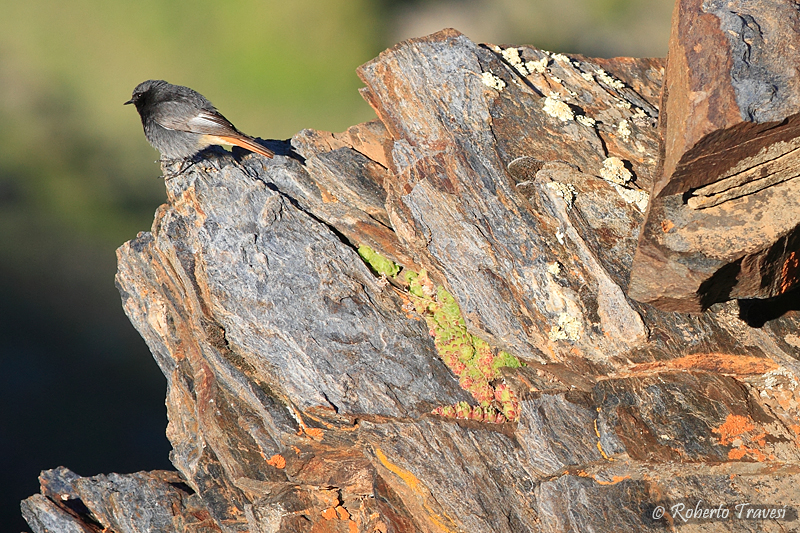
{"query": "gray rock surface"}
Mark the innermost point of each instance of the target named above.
(300, 382)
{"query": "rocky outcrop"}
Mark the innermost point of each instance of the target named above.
(421, 324)
(724, 220)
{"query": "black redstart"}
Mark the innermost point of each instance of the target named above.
(179, 122)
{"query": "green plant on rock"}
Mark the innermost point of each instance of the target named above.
(377, 262)
(476, 364)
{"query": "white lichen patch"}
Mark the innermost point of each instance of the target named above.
(608, 79)
(623, 104)
(512, 56)
(772, 379)
(792, 340)
(568, 328)
(557, 80)
(624, 130)
(554, 269)
(633, 196)
(538, 66)
(560, 236)
(560, 58)
(492, 81)
(589, 122)
(557, 109)
(588, 76)
(614, 171)
(564, 190)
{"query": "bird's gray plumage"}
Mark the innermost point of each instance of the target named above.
(179, 122)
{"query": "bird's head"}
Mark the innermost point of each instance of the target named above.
(146, 91)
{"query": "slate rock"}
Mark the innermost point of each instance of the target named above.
(301, 383)
(723, 221)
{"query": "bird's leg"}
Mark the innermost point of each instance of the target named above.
(168, 166)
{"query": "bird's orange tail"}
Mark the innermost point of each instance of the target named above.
(245, 142)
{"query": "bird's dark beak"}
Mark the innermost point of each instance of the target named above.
(128, 102)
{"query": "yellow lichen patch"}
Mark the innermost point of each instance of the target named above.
(568, 328)
(624, 130)
(589, 122)
(566, 191)
(512, 56)
(492, 81)
(614, 171)
(539, 66)
(633, 196)
(407, 477)
(609, 80)
(599, 445)
(614, 480)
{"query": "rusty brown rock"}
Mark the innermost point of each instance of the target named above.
(301, 384)
(723, 221)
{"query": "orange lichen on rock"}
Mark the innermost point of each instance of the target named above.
(314, 433)
(734, 426)
(796, 429)
(720, 363)
(613, 481)
(736, 431)
(277, 461)
(789, 272)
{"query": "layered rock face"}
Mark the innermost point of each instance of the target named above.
(484, 368)
(724, 219)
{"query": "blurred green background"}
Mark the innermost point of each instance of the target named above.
(77, 178)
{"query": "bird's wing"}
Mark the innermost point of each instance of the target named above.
(181, 116)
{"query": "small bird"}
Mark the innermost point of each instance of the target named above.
(179, 122)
